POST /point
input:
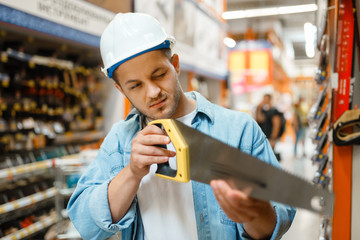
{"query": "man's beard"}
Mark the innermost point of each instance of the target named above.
(175, 100)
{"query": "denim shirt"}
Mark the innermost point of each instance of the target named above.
(88, 207)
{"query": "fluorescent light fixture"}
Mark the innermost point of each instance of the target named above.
(262, 12)
(310, 50)
(229, 42)
(309, 31)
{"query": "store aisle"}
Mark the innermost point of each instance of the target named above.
(306, 224)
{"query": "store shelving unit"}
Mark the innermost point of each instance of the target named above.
(27, 201)
(68, 170)
(55, 196)
(338, 74)
(32, 229)
(51, 100)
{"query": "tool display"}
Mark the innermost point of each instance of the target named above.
(320, 177)
(203, 158)
(347, 128)
(319, 150)
(316, 109)
(321, 72)
(317, 131)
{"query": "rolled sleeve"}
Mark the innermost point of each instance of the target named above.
(88, 206)
(102, 215)
(284, 217)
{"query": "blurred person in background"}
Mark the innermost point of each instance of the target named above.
(300, 123)
(270, 120)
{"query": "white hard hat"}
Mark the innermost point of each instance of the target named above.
(129, 35)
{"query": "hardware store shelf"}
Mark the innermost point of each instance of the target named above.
(33, 228)
(27, 201)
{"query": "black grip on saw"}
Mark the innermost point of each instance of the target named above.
(164, 168)
(182, 172)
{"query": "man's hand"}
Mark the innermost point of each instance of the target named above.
(124, 185)
(258, 217)
(144, 153)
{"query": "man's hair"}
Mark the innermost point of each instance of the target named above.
(268, 96)
(167, 52)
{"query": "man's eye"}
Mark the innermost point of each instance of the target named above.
(160, 75)
(135, 86)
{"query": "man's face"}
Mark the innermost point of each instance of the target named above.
(150, 83)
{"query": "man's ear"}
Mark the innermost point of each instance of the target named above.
(175, 62)
(118, 87)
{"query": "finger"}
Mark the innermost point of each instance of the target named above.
(247, 190)
(152, 129)
(149, 160)
(150, 140)
(153, 151)
(237, 215)
(234, 201)
(235, 195)
(223, 188)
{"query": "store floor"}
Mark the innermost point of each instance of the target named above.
(306, 224)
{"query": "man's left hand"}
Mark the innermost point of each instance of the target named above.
(258, 217)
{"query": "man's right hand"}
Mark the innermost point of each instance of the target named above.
(123, 187)
(144, 151)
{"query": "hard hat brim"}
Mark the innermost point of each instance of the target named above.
(166, 44)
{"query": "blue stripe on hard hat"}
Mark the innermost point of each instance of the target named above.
(165, 44)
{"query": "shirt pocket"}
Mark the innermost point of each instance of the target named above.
(224, 219)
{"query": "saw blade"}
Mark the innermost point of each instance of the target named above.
(211, 159)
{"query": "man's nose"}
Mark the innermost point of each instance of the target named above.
(153, 90)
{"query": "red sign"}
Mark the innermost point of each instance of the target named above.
(344, 58)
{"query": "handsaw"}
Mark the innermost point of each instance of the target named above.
(202, 158)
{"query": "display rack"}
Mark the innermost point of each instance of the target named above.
(337, 135)
(67, 174)
(32, 229)
(55, 196)
(51, 104)
(27, 201)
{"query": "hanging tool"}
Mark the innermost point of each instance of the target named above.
(203, 158)
(321, 178)
(347, 128)
(321, 72)
(317, 131)
(318, 152)
(316, 109)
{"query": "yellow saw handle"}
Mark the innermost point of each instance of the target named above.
(182, 174)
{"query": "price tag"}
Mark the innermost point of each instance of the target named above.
(4, 57)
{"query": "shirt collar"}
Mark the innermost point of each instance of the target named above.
(203, 106)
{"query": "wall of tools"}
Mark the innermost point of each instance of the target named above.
(335, 118)
(51, 107)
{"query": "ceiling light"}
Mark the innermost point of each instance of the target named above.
(310, 50)
(229, 42)
(309, 31)
(262, 12)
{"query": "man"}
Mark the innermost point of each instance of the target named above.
(119, 191)
(269, 120)
(299, 124)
